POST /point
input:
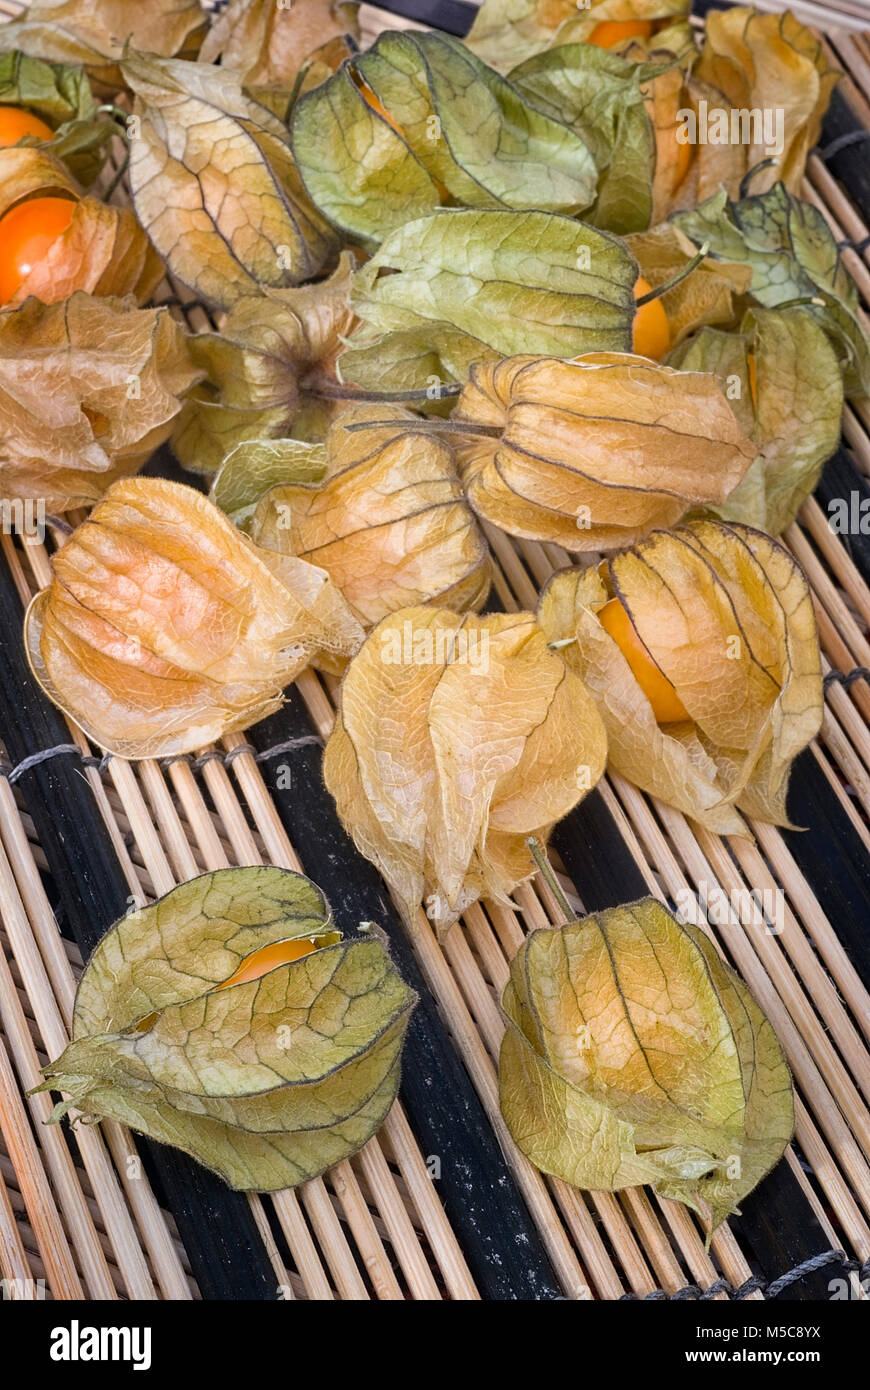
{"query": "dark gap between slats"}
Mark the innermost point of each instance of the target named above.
(777, 1223)
(842, 481)
(216, 1225)
(450, 16)
(832, 858)
(851, 165)
(499, 1239)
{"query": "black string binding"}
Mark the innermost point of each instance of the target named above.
(755, 1284)
(846, 678)
(842, 142)
(12, 774)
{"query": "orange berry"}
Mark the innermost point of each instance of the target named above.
(267, 958)
(667, 706)
(651, 332)
(752, 371)
(27, 234)
(612, 32)
(16, 122)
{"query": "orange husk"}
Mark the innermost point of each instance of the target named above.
(726, 614)
(594, 453)
(457, 738)
(164, 627)
(389, 521)
(89, 388)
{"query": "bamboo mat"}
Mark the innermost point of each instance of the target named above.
(83, 1216)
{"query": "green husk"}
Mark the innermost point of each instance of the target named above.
(463, 131)
(267, 1082)
(793, 256)
(464, 285)
(633, 1054)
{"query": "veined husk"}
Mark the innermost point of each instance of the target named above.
(89, 388)
(93, 33)
(755, 62)
(263, 370)
(782, 379)
(793, 255)
(614, 104)
(727, 616)
(215, 185)
(454, 129)
(711, 294)
(387, 518)
(633, 1054)
(165, 627)
(463, 285)
(267, 1082)
(594, 454)
(103, 251)
(270, 44)
(61, 96)
(456, 739)
(507, 32)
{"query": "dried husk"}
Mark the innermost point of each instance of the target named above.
(267, 1082)
(165, 627)
(793, 256)
(456, 739)
(634, 1054)
(608, 100)
(269, 44)
(215, 185)
(103, 251)
(594, 454)
(265, 371)
(752, 62)
(506, 32)
(727, 616)
(387, 519)
(89, 388)
(462, 285)
(93, 33)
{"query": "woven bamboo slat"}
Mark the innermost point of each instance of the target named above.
(90, 1217)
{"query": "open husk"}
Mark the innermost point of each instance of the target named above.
(726, 615)
(103, 250)
(267, 1079)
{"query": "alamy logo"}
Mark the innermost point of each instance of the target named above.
(735, 125)
(439, 646)
(23, 517)
(22, 1289)
(745, 907)
(77, 1343)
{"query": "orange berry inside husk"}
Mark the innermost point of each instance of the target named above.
(373, 101)
(667, 706)
(268, 958)
(651, 332)
(611, 32)
(16, 122)
(27, 234)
